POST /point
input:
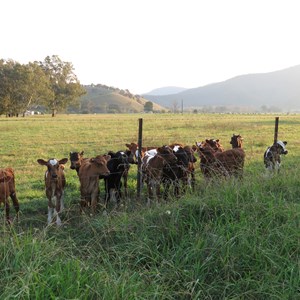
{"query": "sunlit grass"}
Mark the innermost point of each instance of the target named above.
(228, 240)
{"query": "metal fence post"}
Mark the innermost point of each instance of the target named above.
(139, 170)
(276, 130)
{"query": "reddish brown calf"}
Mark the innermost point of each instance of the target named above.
(236, 141)
(76, 159)
(227, 164)
(7, 189)
(89, 173)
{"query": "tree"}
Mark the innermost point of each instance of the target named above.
(21, 86)
(148, 106)
(64, 84)
(34, 88)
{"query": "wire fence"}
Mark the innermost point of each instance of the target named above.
(24, 140)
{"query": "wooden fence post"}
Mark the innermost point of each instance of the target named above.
(139, 169)
(276, 130)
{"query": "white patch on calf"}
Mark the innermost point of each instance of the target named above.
(281, 144)
(112, 193)
(175, 149)
(50, 211)
(268, 150)
(58, 220)
(62, 202)
(149, 157)
(53, 162)
(151, 152)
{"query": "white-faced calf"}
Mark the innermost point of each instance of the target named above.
(55, 182)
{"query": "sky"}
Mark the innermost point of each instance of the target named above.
(142, 45)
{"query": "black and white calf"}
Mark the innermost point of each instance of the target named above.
(272, 156)
(118, 166)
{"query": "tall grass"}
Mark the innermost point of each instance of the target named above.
(228, 240)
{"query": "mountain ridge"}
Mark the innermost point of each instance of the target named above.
(277, 89)
(167, 90)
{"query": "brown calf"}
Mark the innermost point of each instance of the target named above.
(89, 173)
(213, 143)
(236, 141)
(55, 182)
(8, 189)
(191, 169)
(227, 163)
(76, 159)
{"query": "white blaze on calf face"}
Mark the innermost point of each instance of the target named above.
(53, 162)
(175, 149)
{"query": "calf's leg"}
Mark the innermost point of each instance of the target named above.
(15, 201)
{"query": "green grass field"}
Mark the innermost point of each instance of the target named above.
(228, 240)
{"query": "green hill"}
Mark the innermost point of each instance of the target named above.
(104, 99)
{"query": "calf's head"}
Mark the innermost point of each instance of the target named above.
(53, 166)
(167, 154)
(76, 159)
(100, 164)
(215, 144)
(280, 145)
(236, 141)
(119, 161)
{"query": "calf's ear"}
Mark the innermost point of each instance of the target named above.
(160, 149)
(107, 157)
(63, 161)
(285, 142)
(42, 162)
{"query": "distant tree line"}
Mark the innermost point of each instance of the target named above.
(51, 84)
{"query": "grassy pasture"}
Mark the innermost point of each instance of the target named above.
(228, 240)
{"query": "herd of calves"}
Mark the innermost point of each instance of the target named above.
(172, 165)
